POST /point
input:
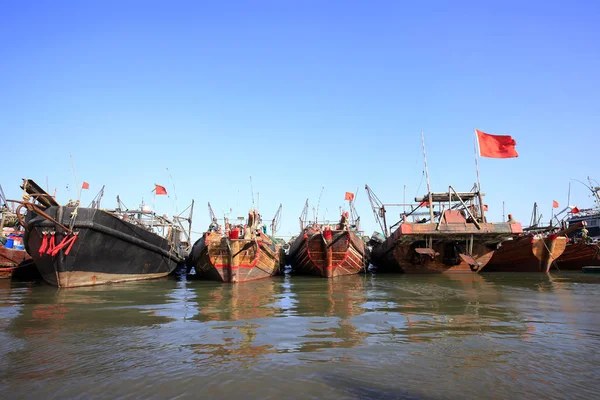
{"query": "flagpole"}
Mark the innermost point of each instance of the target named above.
(475, 146)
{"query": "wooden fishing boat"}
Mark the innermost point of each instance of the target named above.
(327, 253)
(579, 254)
(537, 251)
(531, 253)
(328, 250)
(78, 246)
(456, 239)
(583, 248)
(237, 254)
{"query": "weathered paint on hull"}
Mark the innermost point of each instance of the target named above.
(579, 255)
(12, 257)
(343, 254)
(441, 248)
(527, 254)
(235, 260)
(83, 278)
(404, 258)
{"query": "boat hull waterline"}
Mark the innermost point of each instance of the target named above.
(103, 249)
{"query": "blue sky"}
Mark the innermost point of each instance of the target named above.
(299, 95)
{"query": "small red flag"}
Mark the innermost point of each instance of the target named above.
(575, 210)
(485, 207)
(496, 146)
(85, 185)
(160, 189)
(349, 196)
(554, 204)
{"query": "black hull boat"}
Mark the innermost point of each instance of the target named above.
(74, 246)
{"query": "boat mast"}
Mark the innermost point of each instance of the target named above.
(430, 198)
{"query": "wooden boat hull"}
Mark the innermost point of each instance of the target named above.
(342, 254)
(106, 249)
(431, 248)
(219, 258)
(527, 254)
(11, 259)
(579, 255)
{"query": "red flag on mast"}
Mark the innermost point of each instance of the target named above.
(349, 196)
(496, 146)
(575, 210)
(159, 189)
(85, 185)
(554, 204)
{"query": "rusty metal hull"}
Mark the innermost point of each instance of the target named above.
(343, 254)
(106, 250)
(219, 258)
(441, 248)
(579, 255)
(527, 254)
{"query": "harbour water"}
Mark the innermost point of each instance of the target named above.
(501, 336)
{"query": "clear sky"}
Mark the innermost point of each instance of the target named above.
(198, 96)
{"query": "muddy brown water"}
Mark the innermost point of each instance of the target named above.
(501, 336)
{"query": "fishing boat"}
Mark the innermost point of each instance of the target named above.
(579, 254)
(12, 250)
(529, 253)
(537, 250)
(235, 252)
(583, 248)
(328, 249)
(83, 246)
(451, 235)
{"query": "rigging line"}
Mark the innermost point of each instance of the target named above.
(174, 190)
(420, 184)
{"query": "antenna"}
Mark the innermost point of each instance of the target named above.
(430, 197)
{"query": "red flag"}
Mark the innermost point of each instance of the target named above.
(160, 189)
(496, 146)
(349, 196)
(575, 210)
(554, 204)
(85, 185)
(485, 207)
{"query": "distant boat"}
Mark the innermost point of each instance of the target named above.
(583, 248)
(451, 235)
(328, 250)
(83, 246)
(237, 253)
